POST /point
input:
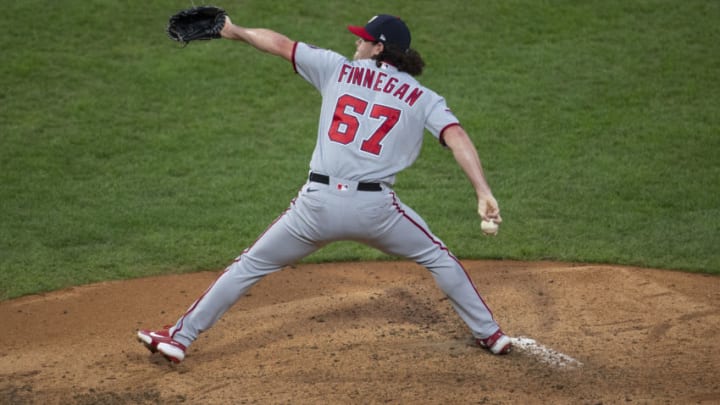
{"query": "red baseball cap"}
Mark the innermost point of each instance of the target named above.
(384, 28)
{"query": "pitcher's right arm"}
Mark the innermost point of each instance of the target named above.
(467, 157)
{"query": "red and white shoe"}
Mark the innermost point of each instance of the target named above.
(160, 341)
(497, 343)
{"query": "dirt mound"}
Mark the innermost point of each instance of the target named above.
(375, 333)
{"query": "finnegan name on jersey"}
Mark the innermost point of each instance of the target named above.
(375, 80)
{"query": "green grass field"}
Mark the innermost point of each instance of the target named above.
(123, 155)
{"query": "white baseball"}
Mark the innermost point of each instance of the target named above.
(489, 227)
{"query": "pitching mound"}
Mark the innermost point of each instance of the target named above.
(375, 333)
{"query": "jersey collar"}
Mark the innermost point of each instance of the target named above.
(387, 66)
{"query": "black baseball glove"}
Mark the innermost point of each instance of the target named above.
(196, 23)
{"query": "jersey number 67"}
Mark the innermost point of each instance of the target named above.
(345, 126)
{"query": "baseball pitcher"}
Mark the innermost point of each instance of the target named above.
(371, 125)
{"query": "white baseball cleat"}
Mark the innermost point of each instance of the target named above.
(497, 343)
(160, 341)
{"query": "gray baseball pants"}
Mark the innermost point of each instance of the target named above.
(324, 213)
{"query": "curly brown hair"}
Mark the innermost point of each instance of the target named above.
(408, 61)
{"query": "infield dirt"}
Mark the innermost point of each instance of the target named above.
(381, 332)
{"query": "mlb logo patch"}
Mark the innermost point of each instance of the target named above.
(342, 187)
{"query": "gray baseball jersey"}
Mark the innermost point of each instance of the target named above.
(372, 119)
(371, 127)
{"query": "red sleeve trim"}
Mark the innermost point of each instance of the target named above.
(442, 132)
(293, 56)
